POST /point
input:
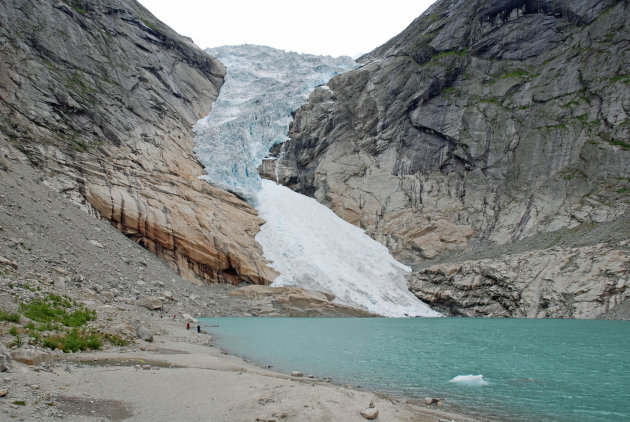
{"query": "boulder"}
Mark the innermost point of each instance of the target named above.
(144, 333)
(189, 318)
(5, 359)
(60, 283)
(369, 413)
(149, 302)
(297, 374)
(31, 356)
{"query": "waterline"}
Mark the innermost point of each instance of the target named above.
(546, 370)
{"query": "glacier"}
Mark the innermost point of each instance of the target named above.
(263, 86)
(307, 243)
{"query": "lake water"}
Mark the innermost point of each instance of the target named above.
(544, 370)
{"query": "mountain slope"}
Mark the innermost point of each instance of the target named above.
(485, 128)
(102, 96)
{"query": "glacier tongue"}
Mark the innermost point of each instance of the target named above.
(305, 241)
(263, 86)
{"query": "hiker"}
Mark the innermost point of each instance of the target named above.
(198, 328)
(188, 325)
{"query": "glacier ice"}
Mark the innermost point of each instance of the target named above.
(313, 248)
(263, 86)
(305, 241)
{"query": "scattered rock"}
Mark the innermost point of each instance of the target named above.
(30, 356)
(151, 303)
(369, 413)
(167, 294)
(297, 374)
(265, 400)
(6, 261)
(4, 392)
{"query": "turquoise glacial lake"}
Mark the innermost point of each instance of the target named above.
(536, 370)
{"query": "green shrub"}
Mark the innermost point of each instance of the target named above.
(54, 309)
(73, 341)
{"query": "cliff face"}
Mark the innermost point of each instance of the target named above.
(486, 128)
(102, 96)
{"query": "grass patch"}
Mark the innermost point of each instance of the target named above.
(621, 144)
(57, 309)
(150, 24)
(73, 341)
(9, 317)
(59, 322)
(19, 402)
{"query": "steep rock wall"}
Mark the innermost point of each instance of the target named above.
(102, 96)
(484, 123)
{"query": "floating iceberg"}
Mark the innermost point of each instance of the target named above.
(474, 380)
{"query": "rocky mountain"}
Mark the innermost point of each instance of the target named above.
(488, 146)
(101, 97)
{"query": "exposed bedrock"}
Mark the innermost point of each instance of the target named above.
(484, 123)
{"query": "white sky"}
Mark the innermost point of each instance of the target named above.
(326, 27)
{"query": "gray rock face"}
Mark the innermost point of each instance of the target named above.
(482, 123)
(103, 96)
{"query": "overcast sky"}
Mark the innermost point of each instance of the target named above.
(327, 27)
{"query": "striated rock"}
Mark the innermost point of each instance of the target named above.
(293, 302)
(480, 124)
(583, 282)
(106, 107)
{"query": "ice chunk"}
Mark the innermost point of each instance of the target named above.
(474, 380)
